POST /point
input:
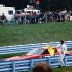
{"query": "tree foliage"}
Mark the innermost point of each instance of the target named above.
(44, 4)
(55, 4)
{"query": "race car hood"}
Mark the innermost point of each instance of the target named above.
(22, 57)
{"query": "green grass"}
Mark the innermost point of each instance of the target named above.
(63, 69)
(35, 33)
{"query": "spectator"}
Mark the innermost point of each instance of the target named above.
(32, 17)
(42, 67)
(63, 50)
(3, 18)
(0, 21)
(59, 16)
(15, 18)
(51, 16)
(48, 16)
(62, 17)
(55, 15)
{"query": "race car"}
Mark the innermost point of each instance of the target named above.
(38, 53)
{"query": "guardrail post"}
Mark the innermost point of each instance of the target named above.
(13, 66)
(49, 61)
(31, 63)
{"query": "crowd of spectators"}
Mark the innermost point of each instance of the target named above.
(49, 16)
(42, 17)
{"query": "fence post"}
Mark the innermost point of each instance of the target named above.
(31, 63)
(49, 61)
(13, 66)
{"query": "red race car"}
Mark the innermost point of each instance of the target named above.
(37, 53)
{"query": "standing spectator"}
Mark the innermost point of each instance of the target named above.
(62, 16)
(41, 18)
(51, 16)
(42, 67)
(63, 50)
(59, 16)
(0, 21)
(65, 14)
(32, 18)
(37, 4)
(37, 18)
(15, 18)
(55, 16)
(3, 19)
(48, 16)
(45, 16)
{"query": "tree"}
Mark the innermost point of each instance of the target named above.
(56, 4)
(44, 4)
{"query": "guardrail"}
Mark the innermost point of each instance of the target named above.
(27, 65)
(28, 47)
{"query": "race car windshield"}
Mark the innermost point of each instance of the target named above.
(35, 51)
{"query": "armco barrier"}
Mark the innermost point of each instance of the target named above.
(27, 65)
(28, 47)
(53, 61)
(68, 60)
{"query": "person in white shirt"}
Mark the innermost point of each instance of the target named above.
(63, 50)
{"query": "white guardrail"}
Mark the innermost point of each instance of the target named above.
(28, 47)
(27, 65)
